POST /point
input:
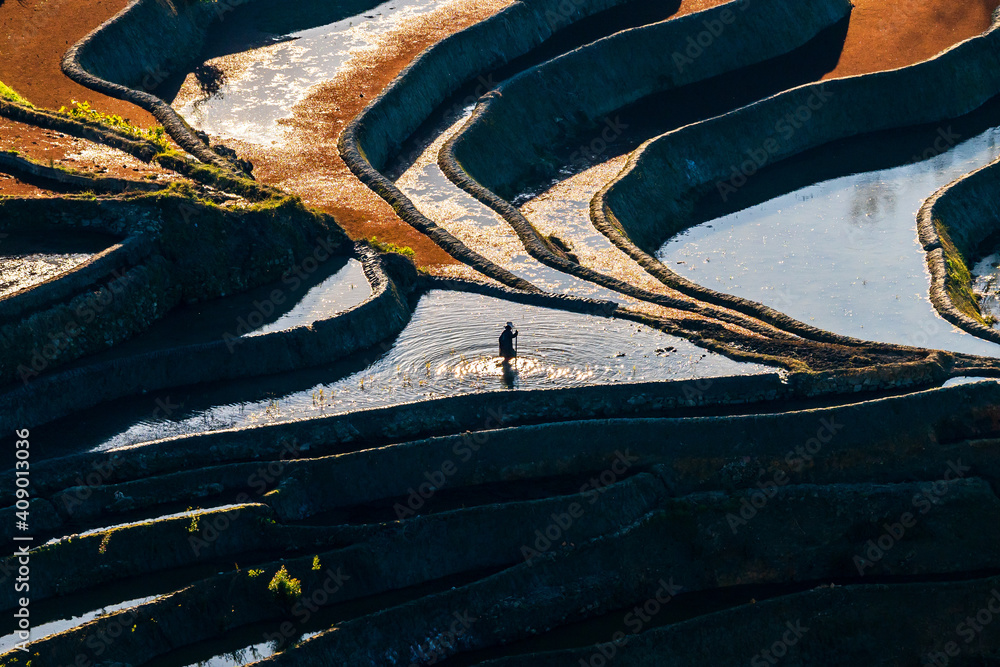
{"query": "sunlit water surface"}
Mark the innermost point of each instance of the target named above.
(841, 255)
(270, 80)
(450, 348)
(478, 226)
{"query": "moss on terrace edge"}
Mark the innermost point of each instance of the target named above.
(958, 280)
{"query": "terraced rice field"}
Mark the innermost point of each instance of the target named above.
(253, 407)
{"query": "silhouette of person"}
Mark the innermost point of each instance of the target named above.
(507, 342)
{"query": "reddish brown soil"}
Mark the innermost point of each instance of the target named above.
(61, 150)
(887, 34)
(883, 34)
(309, 164)
(34, 35)
(14, 187)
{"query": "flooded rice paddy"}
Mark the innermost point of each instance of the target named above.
(448, 348)
(268, 71)
(841, 254)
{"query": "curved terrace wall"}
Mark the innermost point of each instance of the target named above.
(699, 454)
(953, 226)
(862, 620)
(48, 397)
(118, 258)
(685, 540)
(85, 129)
(514, 129)
(192, 250)
(103, 315)
(368, 142)
(79, 180)
(486, 139)
(121, 59)
(684, 537)
(653, 197)
(339, 434)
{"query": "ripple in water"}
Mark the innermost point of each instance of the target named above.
(449, 348)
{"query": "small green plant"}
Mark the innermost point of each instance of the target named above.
(253, 574)
(385, 246)
(103, 549)
(83, 111)
(284, 587)
(8, 93)
(316, 565)
(193, 528)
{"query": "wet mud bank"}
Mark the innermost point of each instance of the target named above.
(563, 97)
(377, 134)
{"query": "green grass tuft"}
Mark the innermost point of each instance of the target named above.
(285, 588)
(8, 93)
(383, 246)
(83, 111)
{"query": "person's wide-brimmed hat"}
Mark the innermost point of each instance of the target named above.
(510, 325)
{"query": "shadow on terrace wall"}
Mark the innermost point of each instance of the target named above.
(871, 152)
(662, 112)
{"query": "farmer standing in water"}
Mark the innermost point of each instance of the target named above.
(507, 350)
